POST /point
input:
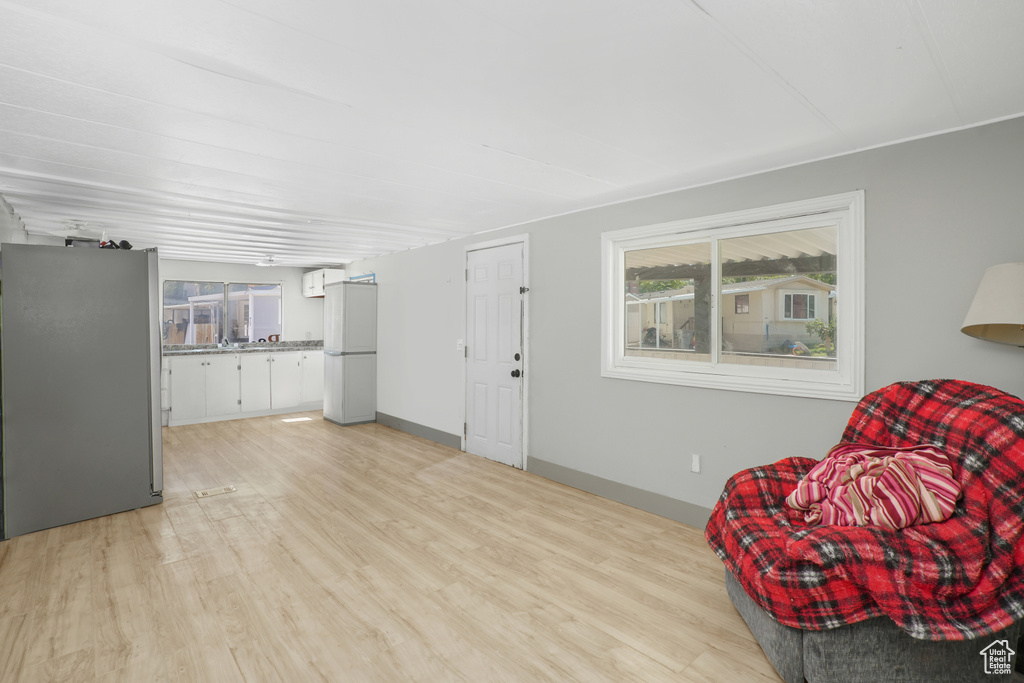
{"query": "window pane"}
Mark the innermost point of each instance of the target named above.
(781, 275)
(192, 312)
(668, 302)
(799, 306)
(254, 313)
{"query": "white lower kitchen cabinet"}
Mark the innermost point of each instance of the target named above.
(210, 387)
(222, 385)
(285, 379)
(203, 386)
(255, 382)
(187, 384)
(313, 376)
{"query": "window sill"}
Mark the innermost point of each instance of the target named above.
(719, 378)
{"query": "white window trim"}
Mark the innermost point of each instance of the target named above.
(845, 383)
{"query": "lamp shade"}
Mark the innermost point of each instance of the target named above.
(997, 312)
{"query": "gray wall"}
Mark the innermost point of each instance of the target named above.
(939, 211)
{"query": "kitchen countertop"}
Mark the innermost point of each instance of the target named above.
(254, 347)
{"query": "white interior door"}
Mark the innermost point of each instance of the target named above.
(494, 359)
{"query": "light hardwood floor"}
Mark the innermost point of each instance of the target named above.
(365, 554)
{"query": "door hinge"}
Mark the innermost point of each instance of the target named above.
(239, 401)
(465, 430)
(467, 274)
(465, 350)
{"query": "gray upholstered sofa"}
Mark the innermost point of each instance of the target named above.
(872, 651)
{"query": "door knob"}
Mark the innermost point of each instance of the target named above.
(516, 373)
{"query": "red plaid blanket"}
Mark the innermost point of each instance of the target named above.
(953, 580)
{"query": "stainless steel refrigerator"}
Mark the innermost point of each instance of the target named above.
(80, 354)
(350, 352)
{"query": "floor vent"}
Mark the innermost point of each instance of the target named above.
(215, 491)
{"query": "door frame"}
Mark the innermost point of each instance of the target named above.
(524, 240)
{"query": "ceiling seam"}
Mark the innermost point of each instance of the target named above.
(173, 55)
(924, 29)
(569, 132)
(199, 202)
(341, 147)
(775, 76)
(263, 179)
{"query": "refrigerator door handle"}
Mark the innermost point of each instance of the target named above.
(332, 353)
(156, 467)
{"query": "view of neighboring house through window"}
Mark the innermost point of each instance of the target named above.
(254, 313)
(782, 275)
(661, 309)
(215, 312)
(765, 300)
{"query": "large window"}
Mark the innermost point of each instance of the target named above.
(768, 300)
(215, 312)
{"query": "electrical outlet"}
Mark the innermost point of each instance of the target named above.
(695, 463)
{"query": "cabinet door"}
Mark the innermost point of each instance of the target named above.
(313, 283)
(222, 385)
(359, 391)
(285, 379)
(187, 384)
(312, 376)
(360, 318)
(255, 381)
(333, 275)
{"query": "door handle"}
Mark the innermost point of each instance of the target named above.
(516, 373)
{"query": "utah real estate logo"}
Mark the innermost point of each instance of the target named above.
(998, 658)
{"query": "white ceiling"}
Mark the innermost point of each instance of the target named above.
(326, 131)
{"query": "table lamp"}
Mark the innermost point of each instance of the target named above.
(997, 312)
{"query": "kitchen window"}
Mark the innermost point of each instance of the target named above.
(193, 312)
(737, 301)
(254, 313)
(216, 312)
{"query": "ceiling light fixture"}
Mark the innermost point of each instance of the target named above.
(268, 261)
